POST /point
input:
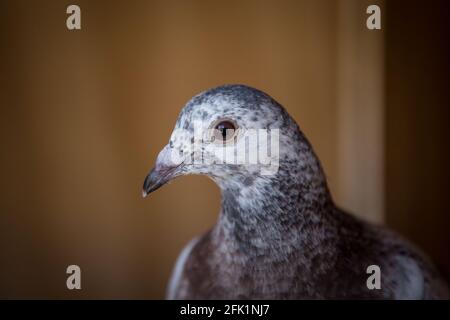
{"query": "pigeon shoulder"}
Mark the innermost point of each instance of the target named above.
(406, 272)
(409, 271)
(177, 283)
(199, 273)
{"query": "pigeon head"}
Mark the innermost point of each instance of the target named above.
(242, 139)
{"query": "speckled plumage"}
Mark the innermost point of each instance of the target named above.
(281, 236)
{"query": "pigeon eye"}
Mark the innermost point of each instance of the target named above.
(224, 130)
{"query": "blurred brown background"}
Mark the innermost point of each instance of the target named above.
(84, 114)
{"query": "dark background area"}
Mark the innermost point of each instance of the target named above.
(417, 125)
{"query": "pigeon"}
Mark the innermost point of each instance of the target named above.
(279, 235)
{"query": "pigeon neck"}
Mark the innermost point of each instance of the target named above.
(275, 213)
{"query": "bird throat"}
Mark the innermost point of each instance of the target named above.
(272, 215)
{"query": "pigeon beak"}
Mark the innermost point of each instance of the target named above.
(164, 171)
(156, 179)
